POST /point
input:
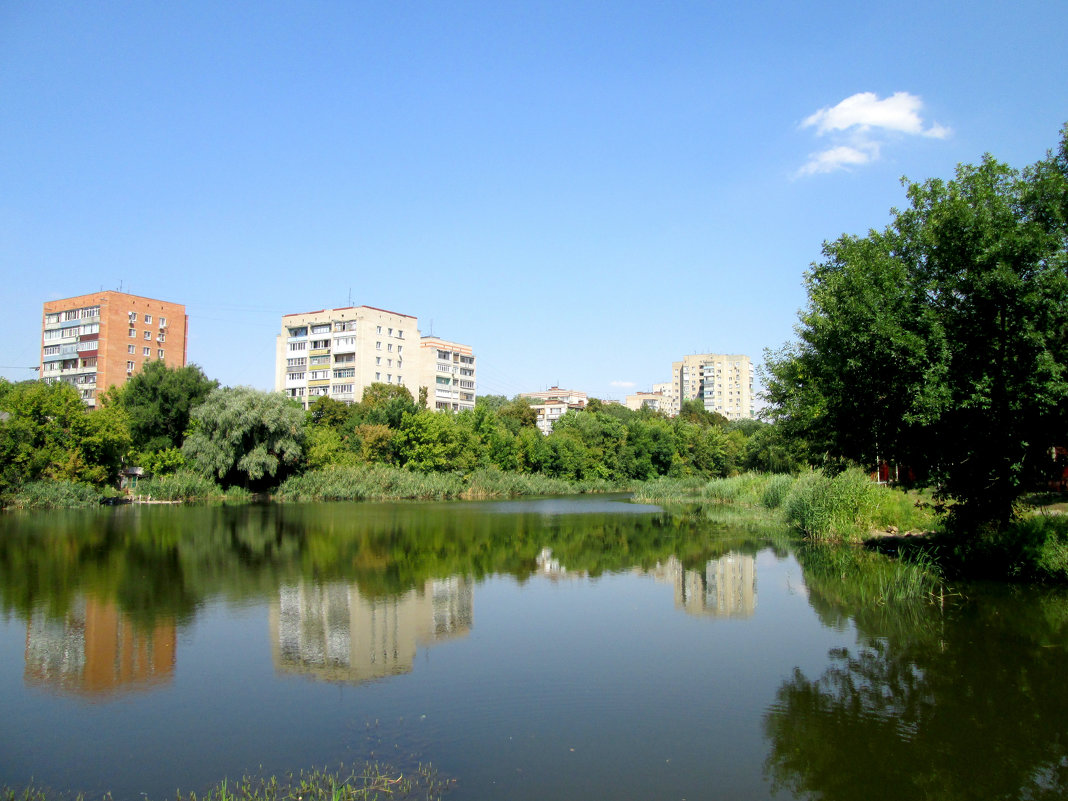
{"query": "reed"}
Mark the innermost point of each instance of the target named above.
(841, 507)
(54, 495)
(184, 485)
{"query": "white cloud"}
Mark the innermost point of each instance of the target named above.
(859, 125)
(864, 110)
(622, 384)
(838, 158)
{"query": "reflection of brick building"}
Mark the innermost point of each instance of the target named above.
(726, 588)
(332, 632)
(95, 650)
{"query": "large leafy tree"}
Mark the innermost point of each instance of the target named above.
(245, 436)
(940, 342)
(158, 401)
(46, 432)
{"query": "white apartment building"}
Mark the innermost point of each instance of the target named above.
(723, 382)
(554, 403)
(341, 352)
(447, 370)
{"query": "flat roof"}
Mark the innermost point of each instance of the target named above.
(347, 308)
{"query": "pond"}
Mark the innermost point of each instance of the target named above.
(578, 648)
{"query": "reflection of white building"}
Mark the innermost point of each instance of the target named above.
(332, 632)
(727, 588)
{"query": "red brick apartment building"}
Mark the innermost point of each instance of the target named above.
(99, 340)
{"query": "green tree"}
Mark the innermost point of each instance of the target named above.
(158, 401)
(940, 342)
(245, 436)
(46, 432)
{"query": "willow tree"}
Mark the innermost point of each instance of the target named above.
(245, 436)
(941, 342)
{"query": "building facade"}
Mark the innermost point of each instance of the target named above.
(554, 403)
(722, 382)
(448, 372)
(99, 340)
(338, 353)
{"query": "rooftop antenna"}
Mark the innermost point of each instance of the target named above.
(350, 295)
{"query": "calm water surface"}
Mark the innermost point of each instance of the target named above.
(566, 649)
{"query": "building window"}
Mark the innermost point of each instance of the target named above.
(131, 349)
(321, 329)
(162, 322)
(146, 351)
(133, 317)
(133, 333)
(391, 332)
(298, 362)
(159, 353)
(378, 329)
(162, 337)
(129, 367)
(298, 346)
(378, 346)
(52, 319)
(378, 376)
(148, 335)
(378, 360)
(390, 347)
(51, 350)
(148, 319)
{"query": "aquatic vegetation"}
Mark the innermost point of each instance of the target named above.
(368, 782)
(54, 495)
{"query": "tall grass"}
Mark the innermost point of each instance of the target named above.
(54, 495)
(185, 485)
(382, 482)
(841, 507)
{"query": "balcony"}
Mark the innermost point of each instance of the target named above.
(319, 352)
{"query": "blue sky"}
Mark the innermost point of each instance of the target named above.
(582, 191)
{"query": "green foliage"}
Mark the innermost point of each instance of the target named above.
(160, 463)
(940, 342)
(838, 507)
(244, 436)
(183, 485)
(48, 433)
(158, 401)
(776, 490)
(54, 495)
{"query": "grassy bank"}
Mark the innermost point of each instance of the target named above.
(370, 782)
(846, 507)
(382, 482)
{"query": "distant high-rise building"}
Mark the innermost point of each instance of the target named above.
(338, 353)
(722, 382)
(99, 340)
(447, 370)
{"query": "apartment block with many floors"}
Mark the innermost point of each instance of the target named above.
(722, 382)
(99, 340)
(340, 352)
(448, 373)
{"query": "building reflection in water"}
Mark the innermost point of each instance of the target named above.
(726, 588)
(332, 632)
(97, 650)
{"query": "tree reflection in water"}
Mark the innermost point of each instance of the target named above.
(957, 703)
